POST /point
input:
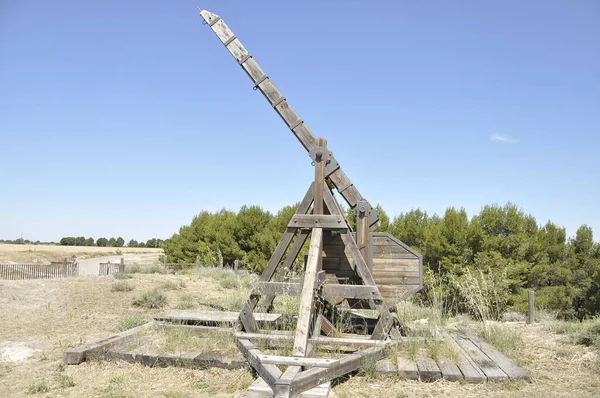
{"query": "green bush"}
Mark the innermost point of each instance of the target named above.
(122, 275)
(121, 286)
(150, 299)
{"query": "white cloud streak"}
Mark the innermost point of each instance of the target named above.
(503, 138)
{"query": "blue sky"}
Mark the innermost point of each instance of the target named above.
(127, 118)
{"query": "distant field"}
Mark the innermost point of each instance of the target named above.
(45, 253)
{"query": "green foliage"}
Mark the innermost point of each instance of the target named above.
(150, 299)
(483, 265)
(65, 381)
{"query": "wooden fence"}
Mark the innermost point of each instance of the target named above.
(38, 271)
(109, 268)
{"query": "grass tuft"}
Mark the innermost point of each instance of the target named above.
(186, 302)
(504, 338)
(121, 286)
(65, 381)
(37, 387)
(130, 322)
(122, 275)
(150, 299)
(172, 284)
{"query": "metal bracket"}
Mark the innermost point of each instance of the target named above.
(331, 165)
(319, 154)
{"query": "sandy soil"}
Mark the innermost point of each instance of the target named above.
(41, 319)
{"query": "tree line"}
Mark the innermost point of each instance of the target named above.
(110, 242)
(502, 252)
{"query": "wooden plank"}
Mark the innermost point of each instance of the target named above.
(213, 316)
(327, 327)
(428, 369)
(487, 366)
(247, 319)
(471, 372)
(407, 369)
(279, 288)
(296, 361)
(308, 293)
(449, 370)
(325, 221)
(269, 373)
(350, 291)
(315, 376)
(512, 370)
(339, 341)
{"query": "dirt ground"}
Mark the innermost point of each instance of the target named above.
(42, 318)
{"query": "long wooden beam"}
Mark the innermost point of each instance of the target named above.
(308, 293)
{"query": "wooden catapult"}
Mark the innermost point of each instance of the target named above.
(355, 269)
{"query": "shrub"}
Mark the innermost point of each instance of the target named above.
(186, 302)
(156, 269)
(150, 299)
(37, 387)
(121, 286)
(65, 381)
(130, 322)
(172, 285)
(122, 275)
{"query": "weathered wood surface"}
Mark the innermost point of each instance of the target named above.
(316, 376)
(308, 293)
(296, 361)
(79, 354)
(428, 369)
(212, 316)
(407, 369)
(511, 369)
(247, 319)
(260, 389)
(450, 371)
(487, 366)
(269, 373)
(338, 341)
(471, 372)
(325, 221)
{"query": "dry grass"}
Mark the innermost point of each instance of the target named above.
(10, 253)
(51, 316)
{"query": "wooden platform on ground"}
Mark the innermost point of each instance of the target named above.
(478, 362)
(260, 389)
(192, 316)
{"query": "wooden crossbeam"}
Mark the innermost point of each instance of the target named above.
(296, 361)
(334, 341)
(324, 221)
(315, 376)
(269, 373)
(247, 319)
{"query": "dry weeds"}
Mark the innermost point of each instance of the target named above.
(50, 316)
